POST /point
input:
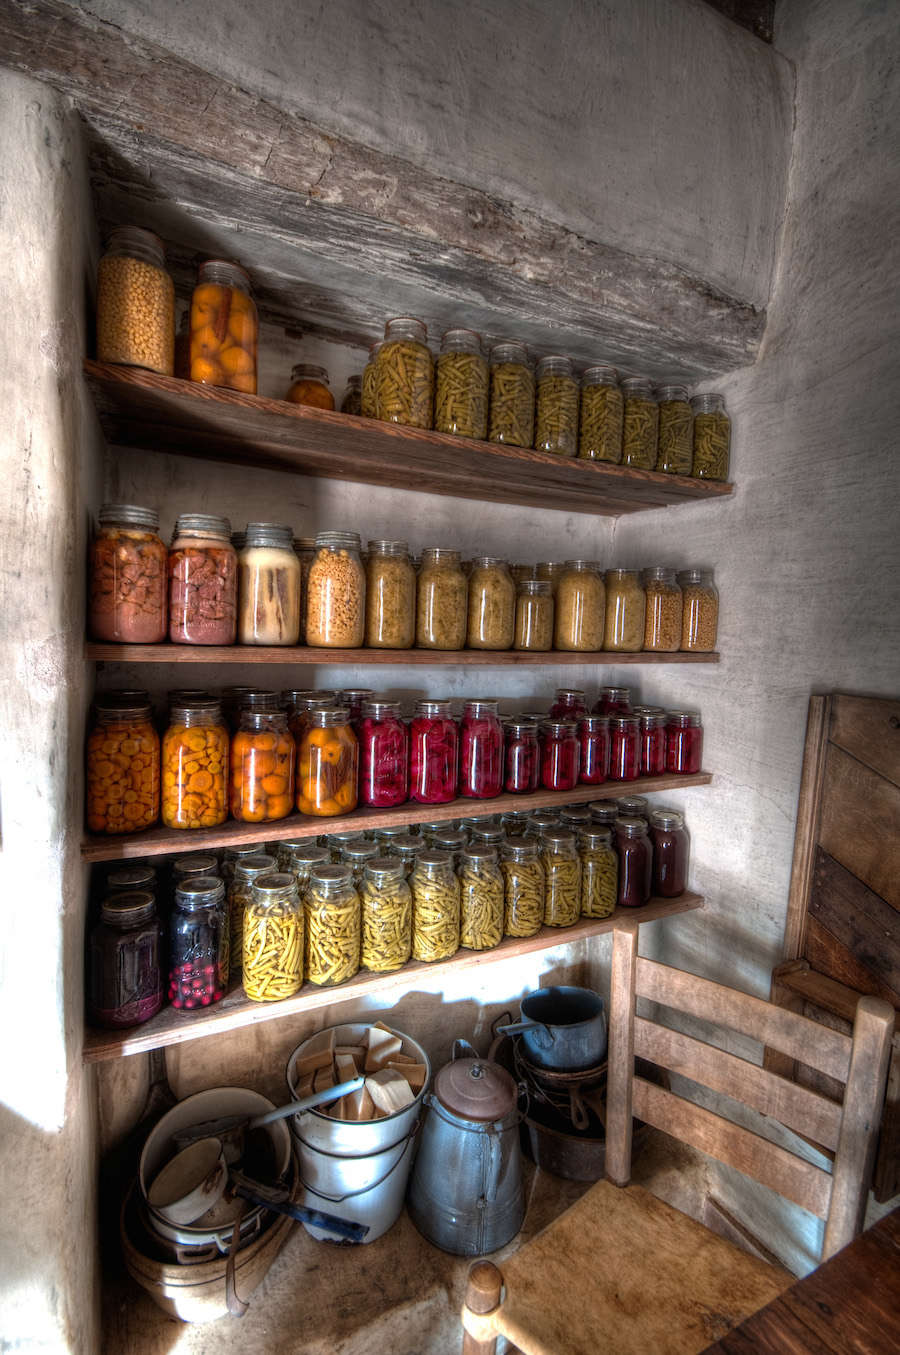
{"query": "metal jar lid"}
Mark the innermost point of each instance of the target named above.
(476, 1089)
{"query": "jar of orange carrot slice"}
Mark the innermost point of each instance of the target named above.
(262, 762)
(327, 770)
(195, 766)
(122, 766)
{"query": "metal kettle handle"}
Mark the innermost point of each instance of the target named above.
(461, 1049)
(494, 1163)
(520, 1027)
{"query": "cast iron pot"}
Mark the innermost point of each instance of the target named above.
(563, 1029)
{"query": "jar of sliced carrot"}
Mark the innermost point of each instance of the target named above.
(195, 766)
(122, 766)
(327, 770)
(262, 762)
(224, 328)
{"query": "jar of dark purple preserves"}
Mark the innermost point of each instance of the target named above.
(671, 852)
(383, 755)
(593, 735)
(560, 754)
(124, 979)
(568, 704)
(624, 748)
(635, 862)
(684, 742)
(433, 754)
(653, 744)
(522, 759)
(481, 751)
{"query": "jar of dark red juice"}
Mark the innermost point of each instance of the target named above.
(653, 744)
(613, 701)
(671, 852)
(383, 755)
(433, 754)
(480, 751)
(684, 741)
(198, 943)
(522, 758)
(124, 980)
(635, 862)
(568, 704)
(593, 735)
(624, 748)
(560, 754)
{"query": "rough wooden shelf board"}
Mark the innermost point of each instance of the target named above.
(431, 658)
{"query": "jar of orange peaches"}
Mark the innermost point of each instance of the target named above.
(262, 762)
(195, 765)
(327, 770)
(224, 328)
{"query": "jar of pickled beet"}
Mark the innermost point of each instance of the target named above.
(122, 791)
(624, 748)
(262, 763)
(328, 764)
(568, 704)
(202, 581)
(671, 852)
(523, 770)
(309, 386)
(635, 852)
(224, 328)
(354, 698)
(195, 766)
(684, 742)
(613, 701)
(653, 745)
(198, 943)
(433, 754)
(127, 590)
(383, 755)
(593, 734)
(560, 754)
(481, 750)
(124, 979)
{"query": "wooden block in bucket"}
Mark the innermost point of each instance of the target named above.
(382, 1046)
(357, 1105)
(413, 1072)
(389, 1090)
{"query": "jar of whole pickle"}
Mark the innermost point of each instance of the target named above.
(635, 853)
(368, 392)
(122, 790)
(441, 602)
(127, 586)
(124, 979)
(202, 581)
(662, 618)
(268, 587)
(435, 903)
(580, 607)
(512, 396)
(626, 607)
(302, 860)
(562, 868)
(556, 421)
(354, 698)
(272, 956)
(523, 887)
(671, 853)
(247, 869)
(599, 872)
(383, 756)
(602, 411)
(593, 735)
(390, 596)
(640, 424)
(560, 754)
(624, 748)
(433, 754)
(309, 386)
(333, 926)
(492, 605)
(684, 742)
(386, 916)
(195, 766)
(712, 437)
(352, 401)
(404, 374)
(224, 328)
(534, 616)
(700, 611)
(461, 385)
(613, 701)
(135, 302)
(676, 431)
(480, 751)
(552, 571)
(522, 757)
(568, 704)
(653, 743)
(480, 898)
(198, 943)
(336, 599)
(327, 766)
(406, 848)
(262, 763)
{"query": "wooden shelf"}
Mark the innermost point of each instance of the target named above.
(159, 413)
(166, 841)
(235, 1010)
(431, 658)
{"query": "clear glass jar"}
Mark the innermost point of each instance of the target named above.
(480, 898)
(626, 607)
(336, 598)
(671, 853)
(262, 764)
(624, 748)
(406, 849)
(433, 754)
(125, 879)
(492, 605)
(127, 586)
(635, 854)
(333, 926)
(552, 571)
(451, 840)
(435, 904)
(613, 701)
(328, 764)
(354, 698)
(700, 611)
(632, 806)
(653, 744)
(202, 581)
(461, 385)
(712, 437)
(309, 386)
(268, 587)
(599, 873)
(522, 757)
(224, 328)
(640, 424)
(568, 704)
(602, 411)
(302, 860)
(404, 374)
(604, 813)
(512, 396)
(480, 751)
(368, 394)
(197, 863)
(305, 551)
(122, 790)
(676, 431)
(383, 756)
(135, 302)
(556, 422)
(560, 754)
(198, 944)
(593, 735)
(272, 956)
(684, 742)
(390, 596)
(124, 978)
(539, 822)
(247, 869)
(441, 604)
(580, 607)
(662, 618)
(352, 401)
(195, 766)
(534, 615)
(386, 916)
(523, 887)
(357, 856)
(577, 818)
(486, 831)
(232, 703)
(562, 868)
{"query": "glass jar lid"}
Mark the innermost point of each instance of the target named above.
(199, 891)
(570, 694)
(667, 393)
(520, 729)
(310, 372)
(449, 840)
(260, 703)
(331, 876)
(275, 884)
(304, 543)
(600, 375)
(595, 837)
(695, 576)
(632, 806)
(626, 827)
(584, 566)
(126, 878)
(479, 853)
(558, 837)
(118, 705)
(440, 555)
(710, 403)
(406, 327)
(128, 515)
(388, 547)
(269, 534)
(659, 574)
(407, 843)
(307, 854)
(128, 908)
(520, 849)
(623, 723)
(433, 860)
(338, 541)
(487, 562)
(574, 814)
(136, 240)
(559, 729)
(303, 696)
(666, 820)
(206, 524)
(196, 864)
(224, 273)
(436, 709)
(654, 719)
(535, 588)
(683, 719)
(622, 575)
(356, 852)
(383, 868)
(647, 710)
(638, 387)
(554, 365)
(593, 724)
(381, 710)
(603, 811)
(205, 710)
(616, 693)
(325, 717)
(461, 341)
(510, 352)
(249, 867)
(481, 708)
(349, 696)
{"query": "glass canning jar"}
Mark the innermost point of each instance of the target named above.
(700, 611)
(632, 806)
(534, 615)
(613, 701)
(675, 442)
(671, 853)
(263, 755)
(662, 619)
(451, 840)
(198, 943)
(124, 879)
(354, 698)
(357, 856)
(624, 748)
(127, 585)
(461, 385)
(196, 863)
(599, 872)
(272, 955)
(480, 751)
(122, 789)
(684, 742)
(602, 412)
(653, 744)
(268, 587)
(441, 603)
(712, 437)
(302, 860)
(406, 849)
(328, 764)
(383, 756)
(593, 735)
(625, 611)
(195, 766)
(202, 581)
(512, 396)
(390, 596)
(480, 898)
(562, 867)
(433, 753)
(435, 905)
(640, 424)
(305, 551)
(604, 813)
(237, 893)
(298, 702)
(539, 822)
(135, 302)
(352, 401)
(556, 422)
(386, 904)
(492, 605)
(124, 979)
(336, 593)
(552, 571)
(568, 704)
(580, 607)
(523, 887)
(404, 374)
(575, 817)
(368, 393)
(514, 822)
(522, 757)
(635, 853)
(333, 925)
(224, 328)
(486, 831)
(309, 386)
(560, 754)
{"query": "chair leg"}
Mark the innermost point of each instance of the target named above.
(482, 1297)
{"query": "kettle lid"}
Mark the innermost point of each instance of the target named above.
(475, 1089)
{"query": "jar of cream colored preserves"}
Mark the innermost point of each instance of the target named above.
(492, 605)
(580, 607)
(336, 593)
(390, 596)
(268, 587)
(534, 615)
(625, 611)
(441, 603)
(135, 302)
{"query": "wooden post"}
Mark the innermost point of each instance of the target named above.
(782, 996)
(621, 1052)
(482, 1297)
